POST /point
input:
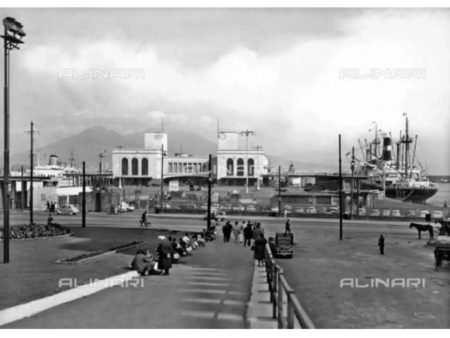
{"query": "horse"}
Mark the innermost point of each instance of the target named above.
(422, 227)
(445, 227)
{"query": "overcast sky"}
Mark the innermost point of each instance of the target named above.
(294, 76)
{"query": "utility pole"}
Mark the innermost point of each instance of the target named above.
(100, 180)
(208, 224)
(83, 199)
(279, 191)
(22, 189)
(12, 37)
(340, 190)
(352, 167)
(31, 132)
(162, 178)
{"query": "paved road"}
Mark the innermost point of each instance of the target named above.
(209, 291)
(196, 222)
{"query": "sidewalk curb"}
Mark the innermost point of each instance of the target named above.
(21, 311)
(259, 308)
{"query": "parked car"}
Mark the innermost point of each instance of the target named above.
(67, 210)
(411, 213)
(226, 207)
(238, 208)
(333, 210)
(284, 245)
(216, 215)
(300, 210)
(311, 210)
(250, 208)
(423, 213)
(396, 213)
(386, 212)
(438, 214)
(322, 210)
(362, 212)
(375, 212)
(124, 207)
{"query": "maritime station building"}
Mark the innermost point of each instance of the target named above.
(231, 164)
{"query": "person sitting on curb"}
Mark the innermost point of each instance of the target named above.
(143, 263)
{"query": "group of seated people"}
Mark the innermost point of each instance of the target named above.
(185, 245)
(146, 264)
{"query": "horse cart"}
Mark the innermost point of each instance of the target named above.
(441, 253)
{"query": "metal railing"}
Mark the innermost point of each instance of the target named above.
(286, 308)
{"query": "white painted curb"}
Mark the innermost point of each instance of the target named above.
(21, 311)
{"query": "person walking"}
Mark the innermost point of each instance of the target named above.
(259, 247)
(248, 234)
(144, 219)
(287, 228)
(381, 244)
(258, 232)
(164, 251)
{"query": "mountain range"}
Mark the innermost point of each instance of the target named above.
(88, 144)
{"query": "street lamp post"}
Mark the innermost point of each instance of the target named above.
(12, 37)
(247, 133)
(161, 201)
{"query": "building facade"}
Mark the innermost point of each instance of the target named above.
(231, 165)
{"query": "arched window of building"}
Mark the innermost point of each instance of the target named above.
(134, 167)
(180, 167)
(144, 169)
(240, 167)
(124, 166)
(230, 167)
(170, 167)
(251, 167)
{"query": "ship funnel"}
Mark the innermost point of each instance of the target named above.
(53, 160)
(387, 149)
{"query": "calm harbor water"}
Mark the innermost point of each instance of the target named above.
(441, 196)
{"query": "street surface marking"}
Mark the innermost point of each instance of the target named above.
(204, 291)
(198, 314)
(211, 315)
(211, 278)
(215, 291)
(213, 301)
(229, 316)
(209, 284)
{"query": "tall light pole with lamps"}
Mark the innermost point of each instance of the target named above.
(12, 37)
(247, 133)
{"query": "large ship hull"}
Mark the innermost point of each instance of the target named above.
(411, 194)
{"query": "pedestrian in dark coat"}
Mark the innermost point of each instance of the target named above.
(258, 232)
(259, 249)
(248, 234)
(287, 227)
(164, 251)
(381, 244)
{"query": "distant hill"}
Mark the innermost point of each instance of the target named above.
(87, 145)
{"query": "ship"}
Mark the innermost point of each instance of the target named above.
(396, 173)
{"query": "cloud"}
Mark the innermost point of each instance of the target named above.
(294, 94)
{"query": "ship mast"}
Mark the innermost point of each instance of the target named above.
(406, 141)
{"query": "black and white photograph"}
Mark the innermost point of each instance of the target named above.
(224, 166)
